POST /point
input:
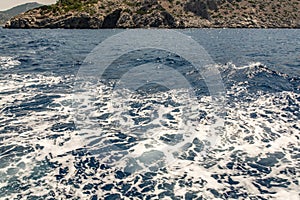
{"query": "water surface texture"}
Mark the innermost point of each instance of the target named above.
(46, 154)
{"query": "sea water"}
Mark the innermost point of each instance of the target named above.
(47, 153)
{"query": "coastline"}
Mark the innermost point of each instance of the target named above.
(124, 28)
(162, 14)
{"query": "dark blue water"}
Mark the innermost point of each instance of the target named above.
(44, 156)
(275, 48)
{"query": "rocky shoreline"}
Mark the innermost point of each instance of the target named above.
(91, 14)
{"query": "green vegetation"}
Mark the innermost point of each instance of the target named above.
(70, 5)
(76, 5)
(227, 13)
(127, 10)
(141, 12)
(132, 4)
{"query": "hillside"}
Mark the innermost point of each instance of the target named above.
(163, 14)
(6, 15)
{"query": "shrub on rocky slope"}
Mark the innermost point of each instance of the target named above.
(163, 14)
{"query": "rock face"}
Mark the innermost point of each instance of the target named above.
(199, 8)
(111, 20)
(68, 21)
(162, 14)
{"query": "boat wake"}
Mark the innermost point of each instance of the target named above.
(119, 144)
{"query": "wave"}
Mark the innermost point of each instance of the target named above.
(258, 77)
(8, 62)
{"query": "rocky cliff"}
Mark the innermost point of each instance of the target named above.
(162, 14)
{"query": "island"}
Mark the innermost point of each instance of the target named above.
(96, 14)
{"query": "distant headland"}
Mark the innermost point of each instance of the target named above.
(96, 14)
(8, 14)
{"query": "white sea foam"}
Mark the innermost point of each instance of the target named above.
(261, 133)
(8, 62)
